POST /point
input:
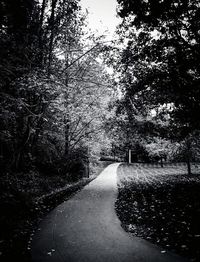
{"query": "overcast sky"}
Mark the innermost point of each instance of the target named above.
(102, 14)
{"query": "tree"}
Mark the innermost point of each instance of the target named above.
(158, 66)
(163, 43)
(160, 149)
(56, 103)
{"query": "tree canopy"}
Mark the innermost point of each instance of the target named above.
(160, 60)
(157, 71)
(54, 91)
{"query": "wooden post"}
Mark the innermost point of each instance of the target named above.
(129, 156)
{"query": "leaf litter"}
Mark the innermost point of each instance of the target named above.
(161, 205)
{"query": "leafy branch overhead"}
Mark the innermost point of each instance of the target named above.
(54, 93)
(157, 72)
(160, 61)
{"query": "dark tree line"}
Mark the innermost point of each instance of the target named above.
(54, 96)
(52, 87)
(158, 72)
(168, 50)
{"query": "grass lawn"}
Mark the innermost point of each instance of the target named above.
(161, 205)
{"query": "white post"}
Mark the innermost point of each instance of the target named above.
(129, 156)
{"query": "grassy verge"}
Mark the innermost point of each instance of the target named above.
(162, 206)
(25, 200)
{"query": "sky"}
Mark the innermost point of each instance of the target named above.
(102, 15)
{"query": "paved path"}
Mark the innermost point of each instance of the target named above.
(86, 229)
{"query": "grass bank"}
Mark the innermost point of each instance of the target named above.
(161, 205)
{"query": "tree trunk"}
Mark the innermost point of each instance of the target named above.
(66, 135)
(17, 162)
(161, 162)
(52, 25)
(189, 166)
(67, 122)
(40, 33)
(188, 156)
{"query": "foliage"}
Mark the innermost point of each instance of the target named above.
(160, 60)
(54, 93)
(157, 72)
(161, 149)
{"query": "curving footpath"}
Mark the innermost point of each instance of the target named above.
(86, 229)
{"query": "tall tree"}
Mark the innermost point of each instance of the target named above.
(161, 58)
(158, 65)
(56, 106)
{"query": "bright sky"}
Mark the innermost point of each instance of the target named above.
(102, 15)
